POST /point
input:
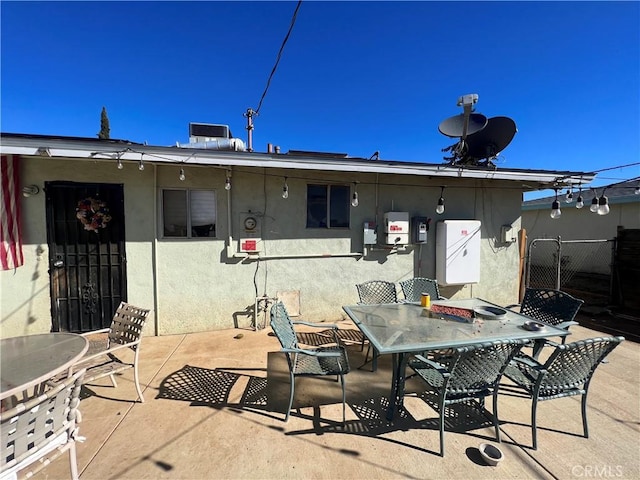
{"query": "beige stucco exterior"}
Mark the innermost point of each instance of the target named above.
(193, 285)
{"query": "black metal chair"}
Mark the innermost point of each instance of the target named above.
(567, 372)
(377, 291)
(413, 288)
(471, 373)
(553, 307)
(317, 361)
(371, 293)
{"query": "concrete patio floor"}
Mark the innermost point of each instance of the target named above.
(215, 406)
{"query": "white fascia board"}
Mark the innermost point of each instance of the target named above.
(222, 159)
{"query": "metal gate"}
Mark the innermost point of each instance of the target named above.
(87, 273)
(580, 267)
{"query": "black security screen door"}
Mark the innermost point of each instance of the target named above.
(87, 262)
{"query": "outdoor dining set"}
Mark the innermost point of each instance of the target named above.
(463, 350)
(459, 350)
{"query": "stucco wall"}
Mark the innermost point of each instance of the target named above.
(192, 285)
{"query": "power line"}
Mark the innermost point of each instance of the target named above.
(275, 66)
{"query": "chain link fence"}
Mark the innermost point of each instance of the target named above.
(582, 268)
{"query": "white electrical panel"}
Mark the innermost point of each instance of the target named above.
(458, 252)
(396, 228)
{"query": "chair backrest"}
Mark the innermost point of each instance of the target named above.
(377, 291)
(549, 306)
(127, 324)
(282, 326)
(31, 426)
(413, 288)
(479, 366)
(571, 365)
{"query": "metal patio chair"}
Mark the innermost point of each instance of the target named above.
(377, 291)
(372, 292)
(549, 306)
(413, 288)
(41, 429)
(105, 358)
(567, 372)
(316, 361)
(471, 373)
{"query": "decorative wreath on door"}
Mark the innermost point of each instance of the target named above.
(93, 214)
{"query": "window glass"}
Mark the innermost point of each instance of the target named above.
(327, 206)
(339, 206)
(203, 213)
(317, 206)
(174, 211)
(188, 213)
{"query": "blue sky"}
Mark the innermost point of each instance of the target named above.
(354, 77)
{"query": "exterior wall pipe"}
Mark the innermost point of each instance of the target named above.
(250, 257)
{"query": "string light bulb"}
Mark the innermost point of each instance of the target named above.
(120, 166)
(580, 201)
(555, 208)
(603, 205)
(569, 196)
(440, 206)
(227, 182)
(182, 175)
(637, 190)
(285, 189)
(141, 165)
(354, 199)
(594, 203)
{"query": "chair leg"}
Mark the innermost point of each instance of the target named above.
(291, 390)
(113, 381)
(344, 400)
(584, 415)
(534, 406)
(136, 377)
(73, 460)
(442, 414)
(495, 414)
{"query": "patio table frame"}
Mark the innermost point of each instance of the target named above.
(402, 329)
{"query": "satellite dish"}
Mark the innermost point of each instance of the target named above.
(492, 139)
(454, 126)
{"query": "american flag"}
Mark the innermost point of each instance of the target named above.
(10, 233)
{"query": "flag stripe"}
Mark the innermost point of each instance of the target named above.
(10, 232)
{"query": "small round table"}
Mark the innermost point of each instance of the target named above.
(32, 359)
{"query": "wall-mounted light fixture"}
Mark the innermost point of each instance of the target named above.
(43, 152)
(440, 206)
(555, 208)
(354, 199)
(285, 189)
(30, 190)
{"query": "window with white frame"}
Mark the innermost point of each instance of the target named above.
(328, 206)
(188, 213)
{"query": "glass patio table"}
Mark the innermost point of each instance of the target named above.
(29, 360)
(402, 329)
